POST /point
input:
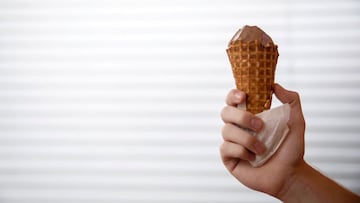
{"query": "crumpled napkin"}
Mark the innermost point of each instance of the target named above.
(273, 133)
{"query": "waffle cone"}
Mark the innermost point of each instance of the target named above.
(253, 66)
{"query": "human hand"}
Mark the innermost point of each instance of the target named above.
(239, 146)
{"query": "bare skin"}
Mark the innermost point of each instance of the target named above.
(286, 175)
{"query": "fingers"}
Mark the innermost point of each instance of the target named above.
(293, 98)
(234, 134)
(242, 118)
(230, 151)
(239, 144)
(235, 97)
(286, 96)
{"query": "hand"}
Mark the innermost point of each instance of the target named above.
(239, 146)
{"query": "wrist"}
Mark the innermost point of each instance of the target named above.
(293, 189)
(309, 185)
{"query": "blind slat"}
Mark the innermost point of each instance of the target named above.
(119, 101)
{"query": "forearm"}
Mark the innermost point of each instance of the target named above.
(308, 185)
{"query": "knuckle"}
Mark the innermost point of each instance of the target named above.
(241, 152)
(297, 96)
(223, 112)
(223, 148)
(224, 129)
(241, 119)
(227, 131)
(303, 123)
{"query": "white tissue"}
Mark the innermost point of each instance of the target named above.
(273, 133)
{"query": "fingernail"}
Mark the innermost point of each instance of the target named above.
(238, 96)
(259, 147)
(256, 123)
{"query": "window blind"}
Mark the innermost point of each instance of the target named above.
(119, 101)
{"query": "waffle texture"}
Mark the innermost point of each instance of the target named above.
(253, 66)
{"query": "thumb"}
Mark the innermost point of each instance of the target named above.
(293, 98)
(286, 96)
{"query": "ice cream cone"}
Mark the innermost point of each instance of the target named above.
(253, 65)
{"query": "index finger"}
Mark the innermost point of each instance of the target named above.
(235, 97)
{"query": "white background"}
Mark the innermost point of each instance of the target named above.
(119, 101)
